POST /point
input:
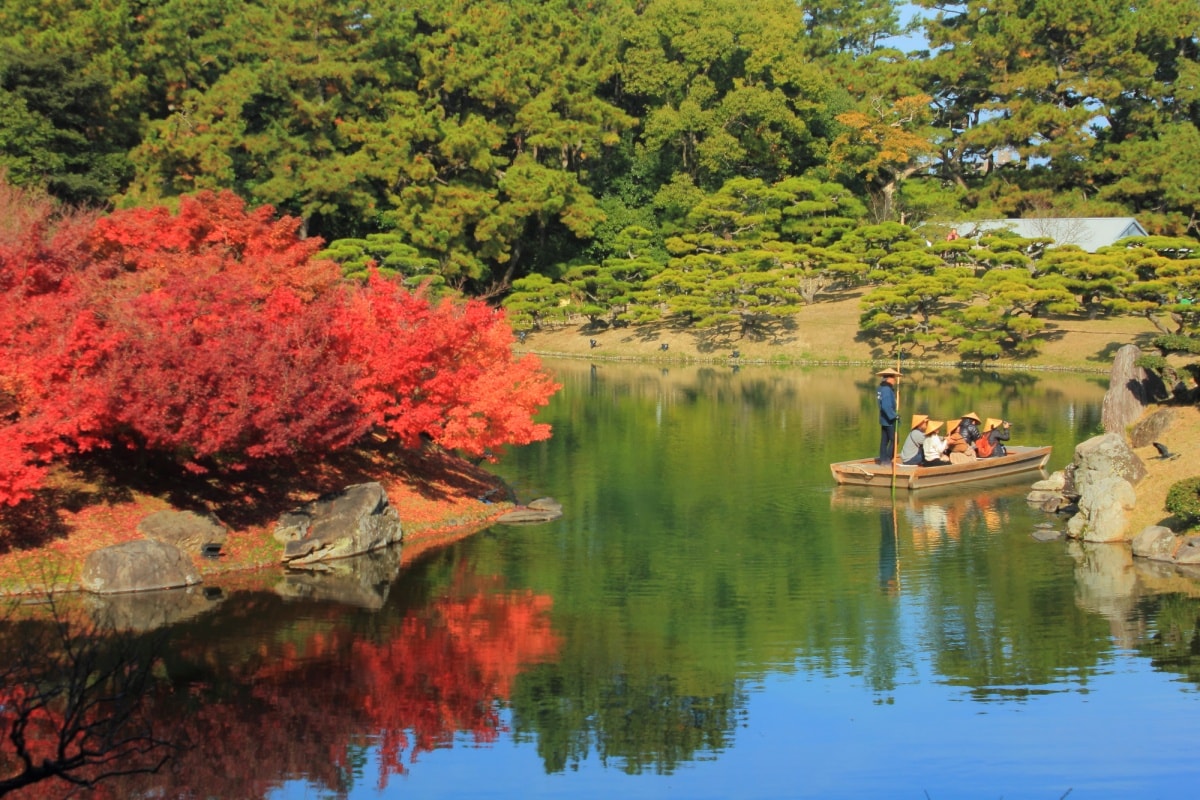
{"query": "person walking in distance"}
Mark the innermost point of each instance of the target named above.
(885, 396)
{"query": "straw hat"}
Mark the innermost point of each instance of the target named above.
(952, 428)
(890, 372)
(932, 425)
(972, 415)
(917, 420)
(992, 424)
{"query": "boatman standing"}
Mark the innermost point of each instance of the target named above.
(888, 413)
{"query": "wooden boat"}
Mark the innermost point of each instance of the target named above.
(865, 472)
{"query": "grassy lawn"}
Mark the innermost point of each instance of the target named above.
(827, 332)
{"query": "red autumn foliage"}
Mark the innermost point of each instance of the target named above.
(225, 348)
(304, 705)
(445, 371)
(48, 342)
(215, 335)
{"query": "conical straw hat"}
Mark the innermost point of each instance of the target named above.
(972, 415)
(991, 424)
(952, 428)
(932, 425)
(917, 419)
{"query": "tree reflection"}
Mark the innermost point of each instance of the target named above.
(75, 705)
(266, 691)
(1175, 644)
(633, 721)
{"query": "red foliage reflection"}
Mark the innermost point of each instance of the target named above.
(308, 706)
(435, 679)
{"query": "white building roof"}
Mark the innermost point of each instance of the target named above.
(1088, 233)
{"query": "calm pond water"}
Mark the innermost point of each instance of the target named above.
(710, 618)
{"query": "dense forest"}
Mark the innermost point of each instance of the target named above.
(715, 161)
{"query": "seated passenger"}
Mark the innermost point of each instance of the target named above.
(957, 445)
(933, 449)
(995, 433)
(968, 428)
(911, 453)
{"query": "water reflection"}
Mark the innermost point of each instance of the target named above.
(889, 555)
(709, 607)
(304, 688)
(76, 703)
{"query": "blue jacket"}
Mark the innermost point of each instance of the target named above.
(886, 395)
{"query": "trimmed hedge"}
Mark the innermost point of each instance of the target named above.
(1183, 500)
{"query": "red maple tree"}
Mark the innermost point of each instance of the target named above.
(446, 371)
(215, 335)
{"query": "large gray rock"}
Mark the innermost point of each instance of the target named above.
(138, 566)
(356, 520)
(1156, 542)
(1104, 508)
(1100, 480)
(187, 530)
(1104, 456)
(1129, 392)
(1152, 427)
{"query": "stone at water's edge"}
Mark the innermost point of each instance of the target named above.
(187, 530)
(356, 520)
(1159, 543)
(1189, 551)
(543, 509)
(1055, 483)
(1104, 507)
(1105, 455)
(138, 566)
(1156, 542)
(1101, 477)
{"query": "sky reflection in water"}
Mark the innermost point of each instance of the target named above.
(711, 618)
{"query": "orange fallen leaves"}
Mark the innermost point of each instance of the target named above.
(438, 496)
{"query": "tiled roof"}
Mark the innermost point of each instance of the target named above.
(1088, 233)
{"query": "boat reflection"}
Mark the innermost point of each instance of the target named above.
(937, 516)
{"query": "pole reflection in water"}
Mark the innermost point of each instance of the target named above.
(889, 555)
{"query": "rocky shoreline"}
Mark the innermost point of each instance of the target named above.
(91, 537)
(1101, 490)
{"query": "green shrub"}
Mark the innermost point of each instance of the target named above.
(1177, 343)
(1152, 363)
(1183, 500)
